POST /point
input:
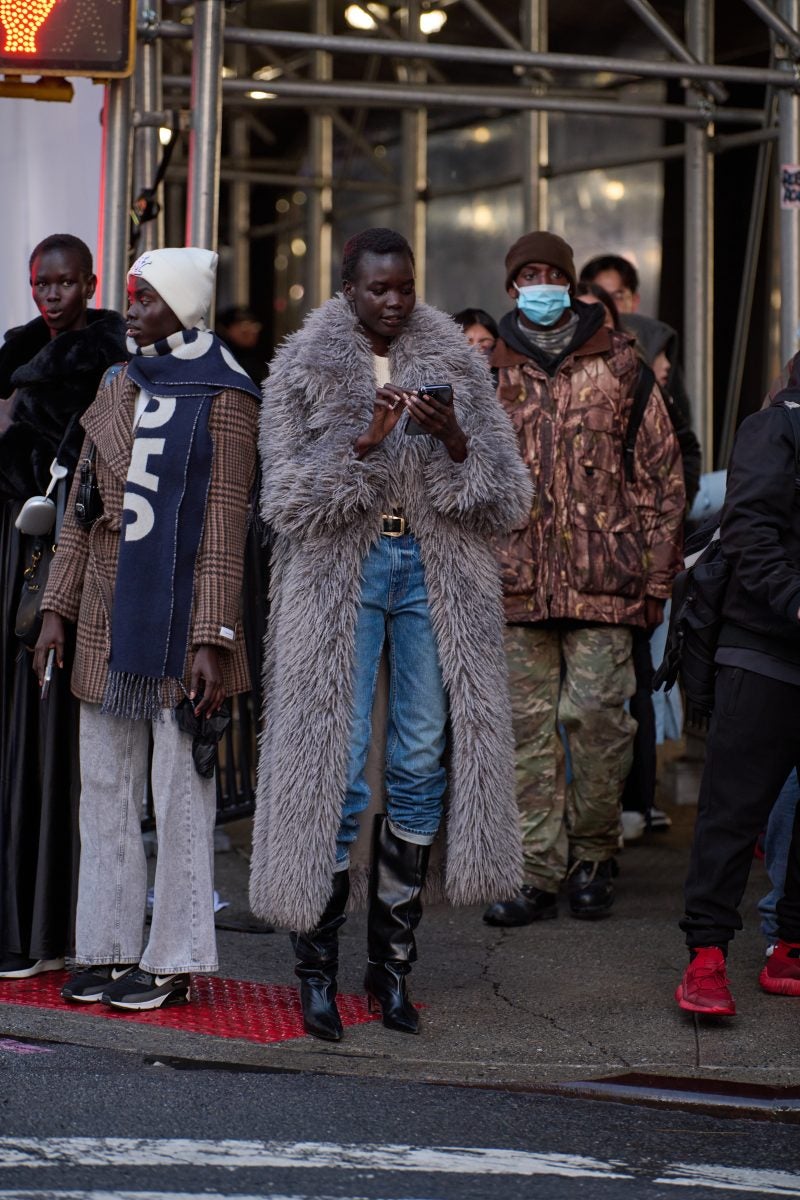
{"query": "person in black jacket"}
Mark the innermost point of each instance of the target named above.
(49, 372)
(753, 742)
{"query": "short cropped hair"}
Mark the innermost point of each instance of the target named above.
(476, 316)
(372, 241)
(64, 241)
(612, 262)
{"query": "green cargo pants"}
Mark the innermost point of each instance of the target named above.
(579, 678)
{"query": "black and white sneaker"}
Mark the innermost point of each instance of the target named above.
(140, 990)
(88, 986)
(17, 966)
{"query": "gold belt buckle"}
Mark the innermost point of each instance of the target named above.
(387, 518)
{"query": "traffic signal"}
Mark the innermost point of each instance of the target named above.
(67, 37)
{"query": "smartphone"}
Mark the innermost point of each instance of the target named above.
(48, 673)
(442, 392)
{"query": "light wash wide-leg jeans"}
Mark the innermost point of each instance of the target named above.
(112, 887)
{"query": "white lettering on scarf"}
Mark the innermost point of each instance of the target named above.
(159, 411)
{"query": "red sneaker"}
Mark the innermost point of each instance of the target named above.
(781, 973)
(704, 987)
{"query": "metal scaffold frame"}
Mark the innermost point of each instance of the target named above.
(533, 92)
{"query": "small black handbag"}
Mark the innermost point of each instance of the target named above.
(88, 501)
(28, 623)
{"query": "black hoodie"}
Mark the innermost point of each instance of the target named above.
(590, 319)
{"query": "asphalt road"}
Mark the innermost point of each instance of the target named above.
(81, 1123)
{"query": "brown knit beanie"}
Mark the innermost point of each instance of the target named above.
(543, 247)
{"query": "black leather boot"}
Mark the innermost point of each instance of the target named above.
(317, 962)
(395, 908)
(529, 905)
(591, 888)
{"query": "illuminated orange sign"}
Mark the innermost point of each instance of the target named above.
(67, 37)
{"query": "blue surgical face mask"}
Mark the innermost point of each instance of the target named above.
(543, 303)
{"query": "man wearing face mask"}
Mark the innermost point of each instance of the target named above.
(595, 559)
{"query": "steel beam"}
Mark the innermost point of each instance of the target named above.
(491, 56)
(534, 126)
(699, 248)
(115, 194)
(147, 149)
(657, 25)
(784, 29)
(414, 165)
(239, 196)
(391, 95)
(789, 152)
(320, 203)
(202, 207)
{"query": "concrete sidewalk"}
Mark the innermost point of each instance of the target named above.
(552, 1004)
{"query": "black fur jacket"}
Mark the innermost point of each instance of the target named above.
(52, 382)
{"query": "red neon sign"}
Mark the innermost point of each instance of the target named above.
(67, 37)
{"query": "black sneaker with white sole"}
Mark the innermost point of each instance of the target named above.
(17, 966)
(88, 986)
(140, 991)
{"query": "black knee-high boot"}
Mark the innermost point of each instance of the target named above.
(395, 908)
(317, 963)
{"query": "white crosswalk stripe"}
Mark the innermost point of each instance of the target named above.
(87, 1152)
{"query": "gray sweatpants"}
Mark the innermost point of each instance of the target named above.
(112, 887)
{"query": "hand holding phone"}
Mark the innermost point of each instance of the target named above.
(431, 395)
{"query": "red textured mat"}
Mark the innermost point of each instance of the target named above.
(230, 1008)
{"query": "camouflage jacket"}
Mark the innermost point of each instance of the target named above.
(595, 545)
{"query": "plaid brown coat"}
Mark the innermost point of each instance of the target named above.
(594, 546)
(82, 576)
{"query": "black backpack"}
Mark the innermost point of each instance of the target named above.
(698, 594)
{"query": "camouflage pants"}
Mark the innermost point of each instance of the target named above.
(579, 678)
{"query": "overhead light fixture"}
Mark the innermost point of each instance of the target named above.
(164, 135)
(266, 74)
(433, 21)
(363, 16)
(256, 95)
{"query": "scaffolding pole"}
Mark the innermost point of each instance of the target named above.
(789, 154)
(239, 198)
(414, 149)
(115, 194)
(146, 144)
(699, 247)
(665, 34)
(202, 207)
(534, 127)
(320, 203)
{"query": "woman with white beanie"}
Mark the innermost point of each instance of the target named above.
(153, 582)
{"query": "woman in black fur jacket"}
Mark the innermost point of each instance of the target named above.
(49, 372)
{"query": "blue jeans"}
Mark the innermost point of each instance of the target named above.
(776, 852)
(394, 604)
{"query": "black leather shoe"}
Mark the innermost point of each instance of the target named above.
(529, 905)
(591, 888)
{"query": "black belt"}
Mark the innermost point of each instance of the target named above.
(393, 525)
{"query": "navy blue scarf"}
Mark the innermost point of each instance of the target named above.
(163, 516)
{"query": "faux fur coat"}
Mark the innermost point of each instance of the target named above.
(324, 506)
(52, 380)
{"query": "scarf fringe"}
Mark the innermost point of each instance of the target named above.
(135, 697)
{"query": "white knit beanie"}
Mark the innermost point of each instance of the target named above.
(184, 278)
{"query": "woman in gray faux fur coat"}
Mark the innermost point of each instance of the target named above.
(360, 507)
